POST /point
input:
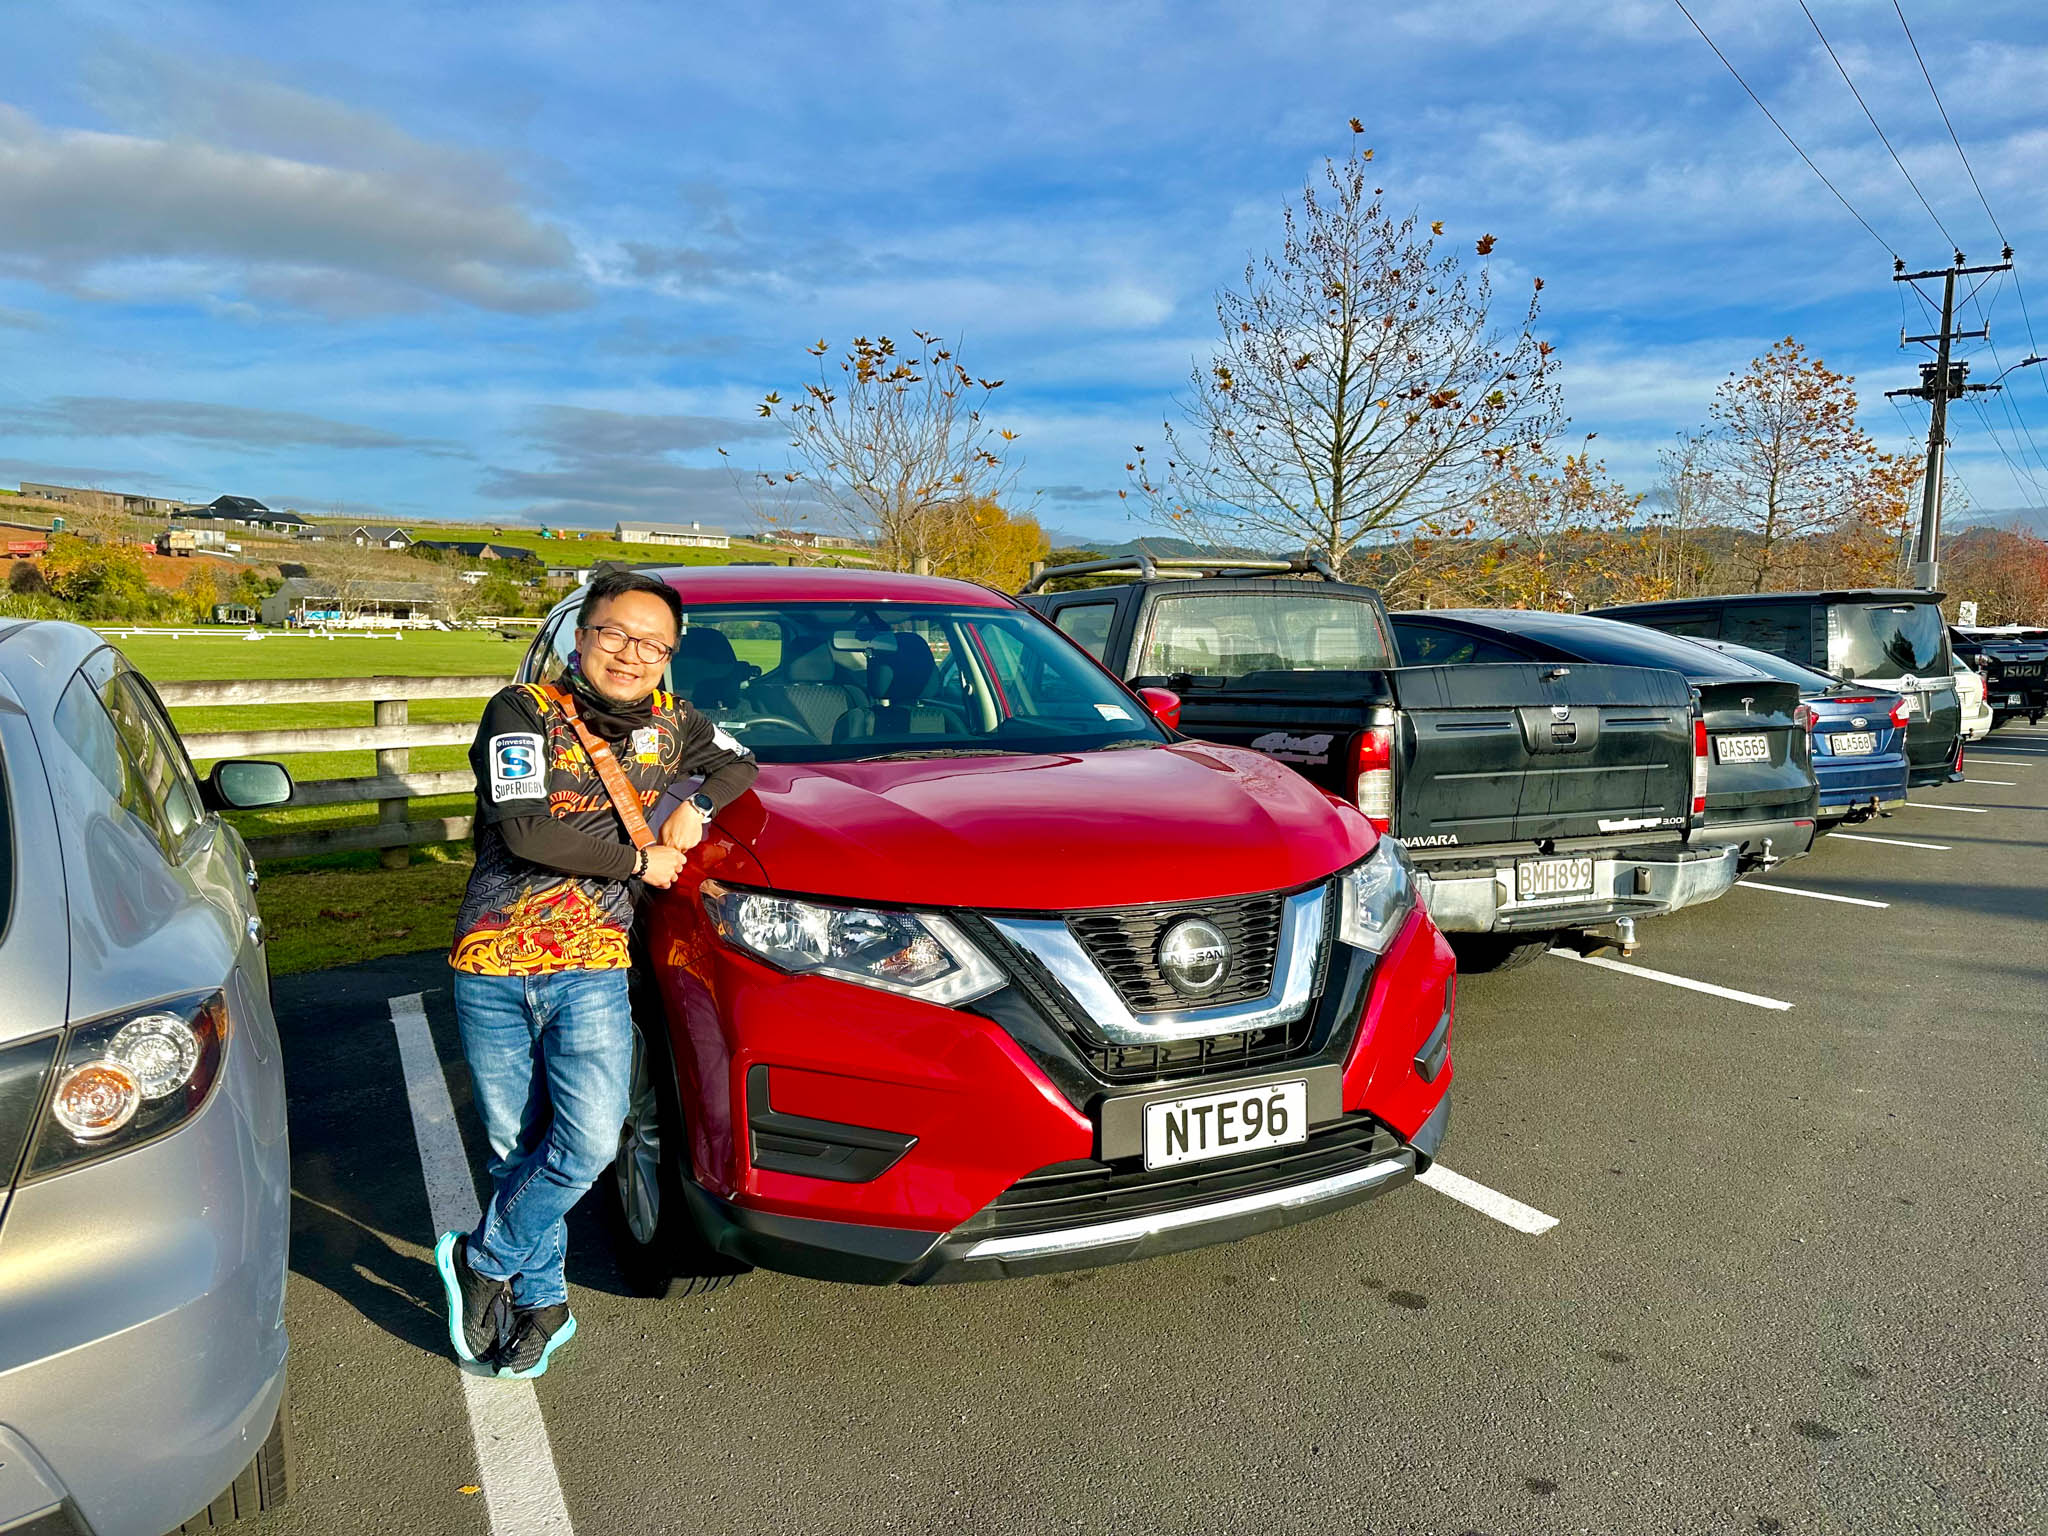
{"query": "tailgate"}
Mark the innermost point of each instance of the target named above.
(1524, 751)
(1757, 755)
(1308, 720)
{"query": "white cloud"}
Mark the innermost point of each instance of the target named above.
(81, 210)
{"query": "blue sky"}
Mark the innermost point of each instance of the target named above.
(538, 261)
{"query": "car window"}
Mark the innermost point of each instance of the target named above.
(1780, 628)
(1886, 640)
(558, 644)
(1623, 644)
(1087, 625)
(84, 726)
(1230, 634)
(153, 749)
(1428, 645)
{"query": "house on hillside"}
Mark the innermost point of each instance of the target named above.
(367, 534)
(246, 512)
(565, 576)
(87, 500)
(307, 602)
(476, 549)
(810, 538)
(694, 535)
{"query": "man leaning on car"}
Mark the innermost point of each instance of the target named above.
(565, 773)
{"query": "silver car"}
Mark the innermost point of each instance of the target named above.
(144, 1172)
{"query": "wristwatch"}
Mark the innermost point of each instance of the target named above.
(704, 806)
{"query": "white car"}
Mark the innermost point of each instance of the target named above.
(1977, 715)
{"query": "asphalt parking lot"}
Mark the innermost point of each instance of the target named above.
(1798, 1279)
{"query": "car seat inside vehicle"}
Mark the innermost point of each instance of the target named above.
(899, 676)
(706, 671)
(807, 688)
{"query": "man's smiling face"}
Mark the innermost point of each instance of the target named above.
(636, 622)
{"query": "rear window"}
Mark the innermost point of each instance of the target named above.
(1886, 640)
(1807, 678)
(1233, 634)
(1783, 629)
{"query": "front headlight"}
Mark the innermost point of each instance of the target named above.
(1379, 893)
(918, 955)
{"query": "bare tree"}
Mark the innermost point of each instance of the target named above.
(892, 442)
(1688, 500)
(1359, 391)
(350, 570)
(1787, 456)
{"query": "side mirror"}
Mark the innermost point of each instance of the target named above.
(1164, 704)
(246, 785)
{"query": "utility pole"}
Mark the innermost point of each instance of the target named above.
(1940, 382)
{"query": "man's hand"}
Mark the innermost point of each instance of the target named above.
(663, 865)
(684, 828)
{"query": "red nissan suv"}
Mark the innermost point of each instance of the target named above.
(993, 972)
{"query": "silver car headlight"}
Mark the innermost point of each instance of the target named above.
(919, 955)
(1379, 893)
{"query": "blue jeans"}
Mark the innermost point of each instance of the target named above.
(551, 1058)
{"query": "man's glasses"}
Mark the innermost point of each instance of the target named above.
(616, 642)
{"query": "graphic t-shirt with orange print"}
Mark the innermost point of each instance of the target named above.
(552, 887)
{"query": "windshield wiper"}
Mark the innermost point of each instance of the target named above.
(1127, 743)
(918, 752)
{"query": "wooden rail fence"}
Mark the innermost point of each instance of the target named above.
(392, 737)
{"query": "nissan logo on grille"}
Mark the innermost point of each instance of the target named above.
(1195, 956)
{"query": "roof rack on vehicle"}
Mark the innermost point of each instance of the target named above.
(1149, 566)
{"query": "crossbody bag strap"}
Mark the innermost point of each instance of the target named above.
(625, 800)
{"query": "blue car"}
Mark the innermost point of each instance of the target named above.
(1858, 735)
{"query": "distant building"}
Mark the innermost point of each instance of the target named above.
(246, 512)
(366, 534)
(304, 602)
(122, 502)
(475, 549)
(810, 538)
(692, 534)
(233, 613)
(566, 575)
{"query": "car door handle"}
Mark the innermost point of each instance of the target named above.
(256, 930)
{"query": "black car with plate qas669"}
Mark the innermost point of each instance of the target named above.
(1534, 799)
(1760, 791)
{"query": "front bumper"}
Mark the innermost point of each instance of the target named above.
(1626, 883)
(142, 1340)
(1017, 1155)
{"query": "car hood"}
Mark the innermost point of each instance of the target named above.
(1183, 822)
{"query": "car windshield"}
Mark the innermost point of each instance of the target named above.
(845, 682)
(1807, 678)
(1886, 640)
(1232, 634)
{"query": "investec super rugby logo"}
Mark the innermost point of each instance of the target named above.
(516, 767)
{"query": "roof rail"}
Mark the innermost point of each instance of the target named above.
(1148, 567)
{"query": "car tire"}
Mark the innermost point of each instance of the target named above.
(262, 1485)
(1481, 954)
(662, 1252)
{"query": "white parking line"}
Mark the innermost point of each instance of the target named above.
(2001, 783)
(1507, 1211)
(1794, 890)
(2005, 762)
(1889, 842)
(1967, 810)
(1669, 980)
(515, 1463)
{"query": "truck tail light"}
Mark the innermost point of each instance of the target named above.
(1373, 784)
(1803, 716)
(1699, 768)
(1900, 713)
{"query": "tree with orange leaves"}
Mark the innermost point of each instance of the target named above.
(1786, 455)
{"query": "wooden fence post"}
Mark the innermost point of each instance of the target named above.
(392, 761)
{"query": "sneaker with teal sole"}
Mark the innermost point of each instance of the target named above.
(478, 1309)
(535, 1334)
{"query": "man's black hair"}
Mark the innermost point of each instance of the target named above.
(606, 585)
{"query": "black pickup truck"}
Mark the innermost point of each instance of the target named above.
(2013, 661)
(1564, 795)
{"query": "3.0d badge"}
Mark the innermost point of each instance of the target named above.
(1195, 956)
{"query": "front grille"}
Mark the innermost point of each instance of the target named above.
(1080, 1194)
(1125, 944)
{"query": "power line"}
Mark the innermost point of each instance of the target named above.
(1924, 75)
(1887, 143)
(1880, 239)
(1962, 154)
